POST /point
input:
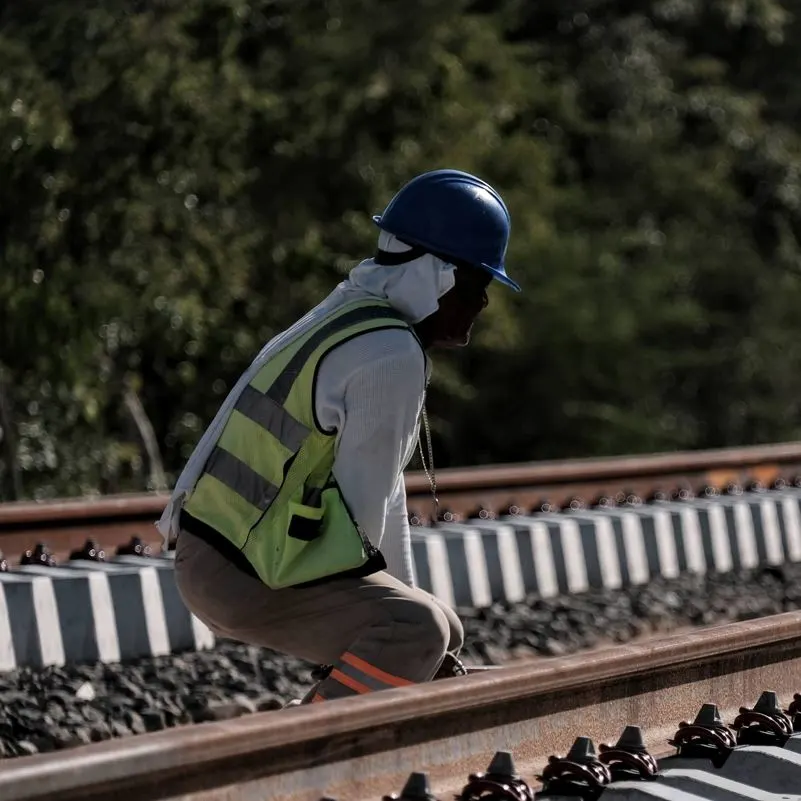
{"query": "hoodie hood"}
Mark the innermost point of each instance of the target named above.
(413, 288)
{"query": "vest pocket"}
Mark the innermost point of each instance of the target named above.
(305, 522)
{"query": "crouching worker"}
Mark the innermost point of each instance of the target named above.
(290, 516)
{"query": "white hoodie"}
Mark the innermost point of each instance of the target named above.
(370, 389)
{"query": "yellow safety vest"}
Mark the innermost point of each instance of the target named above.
(268, 486)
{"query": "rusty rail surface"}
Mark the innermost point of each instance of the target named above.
(364, 747)
(66, 524)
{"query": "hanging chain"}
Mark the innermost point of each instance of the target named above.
(429, 470)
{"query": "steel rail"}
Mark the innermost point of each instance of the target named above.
(66, 524)
(362, 748)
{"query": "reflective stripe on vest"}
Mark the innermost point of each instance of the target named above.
(269, 414)
(247, 483)
(241, 478)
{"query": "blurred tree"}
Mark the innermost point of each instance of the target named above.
(201, 174)
(183, 180)
(655, 310)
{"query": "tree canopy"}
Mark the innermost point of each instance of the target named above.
(180, 181)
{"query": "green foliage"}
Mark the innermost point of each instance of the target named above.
(181, 181)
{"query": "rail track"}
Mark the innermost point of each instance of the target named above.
(465, 492)
(363, 748)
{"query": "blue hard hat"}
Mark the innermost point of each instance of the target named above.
(452, 214)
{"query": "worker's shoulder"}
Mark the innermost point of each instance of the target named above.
(399, 342)
(381, 345)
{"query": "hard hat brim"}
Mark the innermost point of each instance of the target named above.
(500, 275)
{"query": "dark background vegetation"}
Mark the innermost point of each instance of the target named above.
(180, 181)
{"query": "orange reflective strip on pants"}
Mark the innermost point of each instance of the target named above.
(372, 672)
(353, 684)
(355, 676)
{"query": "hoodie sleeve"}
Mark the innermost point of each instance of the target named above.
(371, 390)
(397, 548)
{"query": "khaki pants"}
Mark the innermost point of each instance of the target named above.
(376, 631)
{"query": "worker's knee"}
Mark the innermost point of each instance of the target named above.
(430, 629)
(455, 627)
(456, 633)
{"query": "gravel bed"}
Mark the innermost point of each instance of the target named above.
(566, 625)
(56, 708)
